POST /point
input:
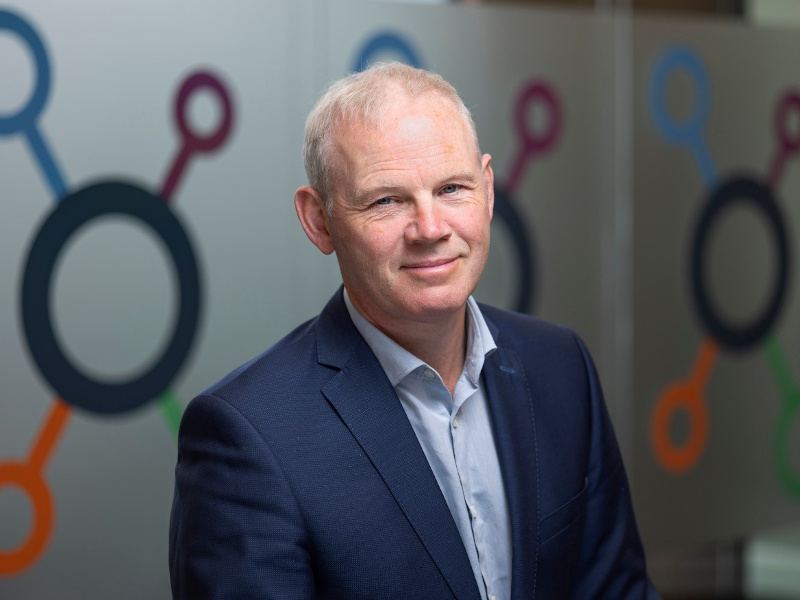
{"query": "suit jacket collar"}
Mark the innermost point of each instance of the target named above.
(510, 399)
(366, 402)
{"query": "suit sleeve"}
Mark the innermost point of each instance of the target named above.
(236, 530)
(611, 562)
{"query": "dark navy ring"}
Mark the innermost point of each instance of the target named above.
(504, 208)
(749, 190)
(77, 209)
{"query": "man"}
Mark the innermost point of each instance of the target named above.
(406, 443)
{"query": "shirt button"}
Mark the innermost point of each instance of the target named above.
(492, 597)
(455, 422)
(472, 511)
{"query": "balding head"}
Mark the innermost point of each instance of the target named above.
(362, 98)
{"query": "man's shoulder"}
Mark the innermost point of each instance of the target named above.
(527, 332)
(547, 349)
(282, 366)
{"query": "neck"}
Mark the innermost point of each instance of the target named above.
(440, 343)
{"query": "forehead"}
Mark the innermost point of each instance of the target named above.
(425, 128)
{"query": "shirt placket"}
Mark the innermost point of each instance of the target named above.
(468, 474)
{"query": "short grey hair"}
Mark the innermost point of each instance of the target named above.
(362, 96)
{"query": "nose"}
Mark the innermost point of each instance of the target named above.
(429, 223)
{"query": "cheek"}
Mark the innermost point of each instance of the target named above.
(478, 230)
(371, 251)
(381, 243)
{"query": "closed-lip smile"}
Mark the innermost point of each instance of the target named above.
(430, 264)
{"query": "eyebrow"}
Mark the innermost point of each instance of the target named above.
(459, 178)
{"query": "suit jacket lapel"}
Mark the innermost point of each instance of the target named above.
(510, 399)
(367, 404)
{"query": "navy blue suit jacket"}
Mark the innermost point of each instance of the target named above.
(299, 476)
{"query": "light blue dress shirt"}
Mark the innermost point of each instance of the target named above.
(456, 436)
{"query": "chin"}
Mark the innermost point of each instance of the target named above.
(433, 305)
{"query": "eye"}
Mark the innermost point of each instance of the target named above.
(451, 188)
(383, 201)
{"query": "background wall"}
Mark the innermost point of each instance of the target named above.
(600, 209)
(743, 472)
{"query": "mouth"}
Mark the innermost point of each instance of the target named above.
(430, 265)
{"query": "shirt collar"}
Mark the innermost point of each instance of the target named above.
(398, 363)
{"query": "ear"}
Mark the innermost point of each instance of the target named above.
(310, 209)
(488, 174)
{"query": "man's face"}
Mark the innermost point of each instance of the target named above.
(412, 208)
